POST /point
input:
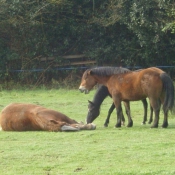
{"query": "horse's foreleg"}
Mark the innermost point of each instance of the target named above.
(109, 114)
(145, 106)
(128, 112)
(119, 114)
(89, 126)
(118, 107)
(78, 126)
(69, 128)
(123, 119)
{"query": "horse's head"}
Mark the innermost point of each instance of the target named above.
(87, 82)
(93, 112)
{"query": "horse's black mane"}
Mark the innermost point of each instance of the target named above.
(107, 71)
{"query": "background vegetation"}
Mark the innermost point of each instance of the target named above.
(118, 32)
(138, 150)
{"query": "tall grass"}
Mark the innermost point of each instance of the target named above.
(127, 151)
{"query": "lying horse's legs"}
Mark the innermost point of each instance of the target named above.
(69, 128)
(127, 107)
(49, 124)
(89, 126)
(78, 126)
(156, 107)
(109, 114)
(145, 105)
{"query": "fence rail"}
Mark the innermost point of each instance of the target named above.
(70, 60)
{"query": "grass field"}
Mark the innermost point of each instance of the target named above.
(126, 151)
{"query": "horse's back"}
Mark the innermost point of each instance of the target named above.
(138, 85)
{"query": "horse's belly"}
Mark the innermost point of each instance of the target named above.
(15, 123)
(131, 96)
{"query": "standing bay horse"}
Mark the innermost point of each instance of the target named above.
(31, 117)
(101, 93)
(132, 86)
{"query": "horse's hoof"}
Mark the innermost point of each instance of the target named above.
(130, 124)
(93, 126)
(105, 125)
(165, 125)
(118, 125)
(150, 122)
(143, 123)
(154, 126)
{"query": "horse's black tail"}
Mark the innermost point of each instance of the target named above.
(168, 88)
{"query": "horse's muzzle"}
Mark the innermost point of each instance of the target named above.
(83, 89)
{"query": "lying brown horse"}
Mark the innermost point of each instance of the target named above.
(31, 117)
(132, 86)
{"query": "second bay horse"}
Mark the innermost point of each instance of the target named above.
(152, 82)
(94, 107)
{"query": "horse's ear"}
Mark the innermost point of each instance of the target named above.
(90, 72)
(54, 121)
(90, 102)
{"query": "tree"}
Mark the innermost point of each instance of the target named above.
(118, 32)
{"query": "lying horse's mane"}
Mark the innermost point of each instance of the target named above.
(107, 71)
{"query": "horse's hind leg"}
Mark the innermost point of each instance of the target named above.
(145, 105)
(128, 112)
(156, 107)
(165, 121)
(151, 115)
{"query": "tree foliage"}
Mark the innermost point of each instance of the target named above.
(117, 32)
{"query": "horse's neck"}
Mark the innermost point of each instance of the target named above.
(101, 93)
(102, 79)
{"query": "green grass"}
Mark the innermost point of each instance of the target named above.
(126, 151)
